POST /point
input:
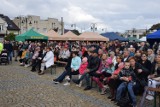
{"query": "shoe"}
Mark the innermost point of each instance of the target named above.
(76, 81)
(109, 97)
(33, 70)
(80, 84)
(118, 104)
(41, 73)
(87, 88)
(149, 97)
(67, 78)
(103, 91)
(26, 66)
(113, 99)
(67, 83)
(56, 82)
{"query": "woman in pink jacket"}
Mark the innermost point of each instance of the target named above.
(104, 66)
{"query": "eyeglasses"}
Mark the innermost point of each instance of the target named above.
(143, 56)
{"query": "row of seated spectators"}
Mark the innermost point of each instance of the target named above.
(124, 67)
(128, 71)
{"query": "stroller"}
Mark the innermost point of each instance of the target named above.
(4, 57)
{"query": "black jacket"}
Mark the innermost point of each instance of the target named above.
(146, 64)
(93, 63)
(144, 74)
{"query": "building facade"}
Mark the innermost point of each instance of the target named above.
(42, 26)
(137, 33)
(7, 26)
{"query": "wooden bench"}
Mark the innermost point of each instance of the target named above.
(60, 62)
(157, 92)
(53, 69)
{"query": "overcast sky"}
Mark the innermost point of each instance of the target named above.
(112, 15)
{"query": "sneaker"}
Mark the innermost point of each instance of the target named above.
(67, 78)
(87, 88)
(103, 91)
(26, 66)
(80, 84)
(56, 82)
(149, 97)
(67, 83)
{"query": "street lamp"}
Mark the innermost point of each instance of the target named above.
(73, 26)
(93, 27)
(104, 29)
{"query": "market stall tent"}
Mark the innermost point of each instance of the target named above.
(92, 36)
(31, 35)
(52, 35)
(143, 39)
(153, 37)
(113, 36)
(134, 39)
(70, 36)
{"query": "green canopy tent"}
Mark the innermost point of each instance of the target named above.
(31, 35)
(134, 39)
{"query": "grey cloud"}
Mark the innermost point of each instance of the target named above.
(117, 15)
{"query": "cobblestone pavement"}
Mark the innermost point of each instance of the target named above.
(19, 87)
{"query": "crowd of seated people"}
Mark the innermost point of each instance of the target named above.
(124, 67)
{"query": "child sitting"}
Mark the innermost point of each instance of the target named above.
(127, 76)
(82, 68)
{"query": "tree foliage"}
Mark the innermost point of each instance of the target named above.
(10, 37)
(155, 27)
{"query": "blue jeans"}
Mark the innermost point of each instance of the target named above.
(122, 87)
(10, 55)
(62, 76)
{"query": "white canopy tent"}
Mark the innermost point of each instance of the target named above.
(143, 39)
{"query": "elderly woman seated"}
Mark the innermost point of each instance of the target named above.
(154, 77)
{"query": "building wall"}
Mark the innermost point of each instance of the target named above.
(42, 26)
(134, 33)
(3, 29)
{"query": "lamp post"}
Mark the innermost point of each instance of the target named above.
(73, 26)
(93, 27)
(104, 29)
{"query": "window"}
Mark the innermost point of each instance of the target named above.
(44, 29)
(1, 27)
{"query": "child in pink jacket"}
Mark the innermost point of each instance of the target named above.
(82, 68)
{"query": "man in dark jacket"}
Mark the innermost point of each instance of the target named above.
(93, 65)
(8, 46)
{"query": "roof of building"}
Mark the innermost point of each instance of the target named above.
(11, 24)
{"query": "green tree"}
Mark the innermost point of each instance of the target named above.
(155, 27)
(10, 37)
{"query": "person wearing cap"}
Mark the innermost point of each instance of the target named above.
(47, 61)
(93, 65)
